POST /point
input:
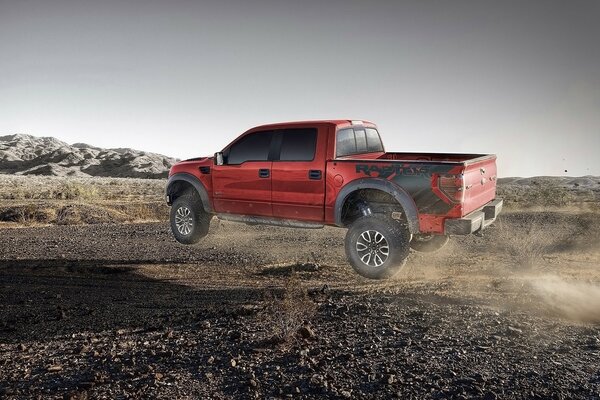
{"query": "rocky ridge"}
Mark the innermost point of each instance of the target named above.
(22, 154)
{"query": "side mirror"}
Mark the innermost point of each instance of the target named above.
(219, 158)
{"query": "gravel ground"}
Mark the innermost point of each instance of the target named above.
(123, 311)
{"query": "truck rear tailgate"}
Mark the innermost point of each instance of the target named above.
(479, 183)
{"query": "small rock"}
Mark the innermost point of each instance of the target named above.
(158, 376)
(235, 335)
(514, 331)
(205, 325)
(86, 385)
(306, 332)
(21, 347)
(316, 379)
(233, 362)
(346, 394)
(490, 396)
(55, 368)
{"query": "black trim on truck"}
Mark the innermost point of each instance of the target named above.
(401, 196)
(475, 221)
(192, 180)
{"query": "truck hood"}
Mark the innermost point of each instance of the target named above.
(192, 164)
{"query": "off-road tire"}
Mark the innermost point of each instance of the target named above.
(428, 243)
(362, 241)
(189, 221)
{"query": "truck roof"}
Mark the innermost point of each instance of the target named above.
(323, 121)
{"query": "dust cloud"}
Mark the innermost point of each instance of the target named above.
(577, 301)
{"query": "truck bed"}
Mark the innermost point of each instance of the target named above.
(428, 177)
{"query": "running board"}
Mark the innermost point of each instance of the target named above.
(253, 220)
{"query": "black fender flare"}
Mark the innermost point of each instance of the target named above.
(195, 182)
(401, 196)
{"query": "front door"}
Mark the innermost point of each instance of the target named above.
(243, 184)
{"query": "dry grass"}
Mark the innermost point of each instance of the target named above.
(30, 200)
(18, 187)
(526, 247)
(287, 312)
(550, 193)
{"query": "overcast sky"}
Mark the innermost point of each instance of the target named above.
(183, 78)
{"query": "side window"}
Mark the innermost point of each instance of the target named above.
(361, 140)
(357, 140)
(298, 144)
(373, 140)
(252, 147)
(345, 143)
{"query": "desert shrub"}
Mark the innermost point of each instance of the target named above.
(542, 192)
(70, 190)
(75, 214)
(143, 211)
(287, 311)
(27, 214)
(525, 241)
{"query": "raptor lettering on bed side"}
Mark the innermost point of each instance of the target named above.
(388, 171)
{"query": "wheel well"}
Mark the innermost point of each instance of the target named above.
(178, 188)
(370, 201)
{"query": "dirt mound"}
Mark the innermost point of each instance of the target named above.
(30, 155)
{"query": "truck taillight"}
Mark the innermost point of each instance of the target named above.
(453, 187)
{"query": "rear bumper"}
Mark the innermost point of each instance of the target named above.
(475, 221)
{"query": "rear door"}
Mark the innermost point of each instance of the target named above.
(243, 184)
(298, 170)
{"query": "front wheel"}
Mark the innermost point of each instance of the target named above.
(189, 221)
(377, 246)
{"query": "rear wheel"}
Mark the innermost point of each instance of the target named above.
(377, 246)
(428, 243)
(189, 221)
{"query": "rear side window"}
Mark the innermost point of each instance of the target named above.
(361, 140)
(298, 144)
(345, 143)
(252, 147)
(357, 140)
(373, 140)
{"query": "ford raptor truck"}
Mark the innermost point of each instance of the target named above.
(337, 172)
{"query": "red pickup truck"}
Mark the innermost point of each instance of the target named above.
(336, 172)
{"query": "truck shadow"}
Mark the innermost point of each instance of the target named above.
(41, 300)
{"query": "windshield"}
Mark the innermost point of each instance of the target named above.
(357, 140)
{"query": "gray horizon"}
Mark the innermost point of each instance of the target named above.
(184, 78)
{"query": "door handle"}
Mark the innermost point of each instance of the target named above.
(314, 174)
(263, 173)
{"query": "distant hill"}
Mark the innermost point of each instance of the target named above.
(30, 155)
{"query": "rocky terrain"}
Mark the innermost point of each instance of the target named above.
(29, 155)
(123, 311)
(98, 302)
